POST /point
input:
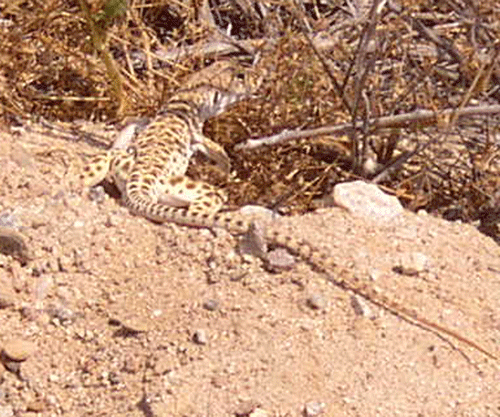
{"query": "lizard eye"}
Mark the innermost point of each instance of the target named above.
(132, 150)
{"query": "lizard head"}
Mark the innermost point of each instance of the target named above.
(204, 101)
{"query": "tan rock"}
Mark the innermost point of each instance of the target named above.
(18, 350)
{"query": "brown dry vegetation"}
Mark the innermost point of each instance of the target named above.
(130, 318)
(325, 65)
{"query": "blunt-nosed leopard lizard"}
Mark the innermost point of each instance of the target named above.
(150, 175)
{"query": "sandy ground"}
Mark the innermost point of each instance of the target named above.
(132, 318)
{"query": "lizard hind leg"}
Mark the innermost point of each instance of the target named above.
(197, 196)
(175, 198)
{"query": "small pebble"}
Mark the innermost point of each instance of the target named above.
(200, 337)
(78, 224)
(375, 274)
(280, 259)
(246, 408)
(53, 378)
(112, 221)
(12, 366)
(253, 242)
(63, 315)
(412, 263)
(316, 302)
(211, 305)
(113, 378)
(7, 219)
(132, 324)
(6, 411)
(14, 244)
(7, 297)
(259, 412)
(18, 350)
(313, 409)
(360, 307)
(97, 194)
(35, 406)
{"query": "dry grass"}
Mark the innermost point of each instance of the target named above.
(363, 66)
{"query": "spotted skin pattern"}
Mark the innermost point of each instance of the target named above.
(150, 174)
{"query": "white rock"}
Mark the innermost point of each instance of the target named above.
(314, 408)
(412, 263)
(367, 200)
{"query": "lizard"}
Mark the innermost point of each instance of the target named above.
(149, 171)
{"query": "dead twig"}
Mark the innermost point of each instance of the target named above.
(363, 65)
(424, 117)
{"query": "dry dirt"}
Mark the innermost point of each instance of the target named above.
(133, 318)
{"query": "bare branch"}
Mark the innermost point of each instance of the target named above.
(427, 117)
